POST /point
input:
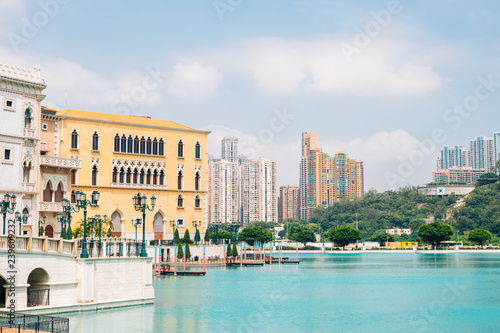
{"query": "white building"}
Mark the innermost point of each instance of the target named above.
(229, 148)
(482, 153)
(398, 231)
(20, 96)
(453, 156)
(223, 191)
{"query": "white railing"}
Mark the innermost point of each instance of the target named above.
(39, 244)
(29, 187)
(29, 133)
(60, 162)
(52, 245)
(21, 243)
(50, 207)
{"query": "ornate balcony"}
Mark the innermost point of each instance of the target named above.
(29, 133)
(29, 188)
(60, 162)
(50, 207)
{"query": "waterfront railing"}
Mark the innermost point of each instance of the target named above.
(22, 322)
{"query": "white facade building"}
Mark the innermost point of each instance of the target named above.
(223, 191)
(482, 153)
(20, 97)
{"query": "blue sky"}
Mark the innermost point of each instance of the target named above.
(372, 78)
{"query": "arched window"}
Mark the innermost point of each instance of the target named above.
(155, 146)
(74, 139)
(155, 177)
(95, 141)
(136, 173)
(136, 145)
(58, 195)
(117, 143)
(115, 175)
(197, 181)
(124, 144)
(27, 118)
(122, 173)
(47, 192)
(130, 145)
(180, 201)
(73, 177)
(94, 175)
(129, 176)
(26, 173)
(26, 212)
(161, 147)
(197, 150)
(180, 149)
(141, 180)
(179, 180)
(148, 146)
(148, 177)
(162, 176)
(197, 202)
(73, 196)
(143, 145)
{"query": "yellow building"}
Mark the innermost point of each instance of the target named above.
(401, 244)
(122, 156)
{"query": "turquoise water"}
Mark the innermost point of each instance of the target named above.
(325, 293)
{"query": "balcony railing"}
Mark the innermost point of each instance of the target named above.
(60, 162)
(29, 133)
(29, 188)
(50, 207)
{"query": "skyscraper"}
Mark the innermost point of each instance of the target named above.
(325, 180)
(259, 190)
(453, 156)
(289, 203)
(482, 153)
(229, 148)
(496, 148)
(223, 191)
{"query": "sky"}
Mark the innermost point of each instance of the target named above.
(387, 82)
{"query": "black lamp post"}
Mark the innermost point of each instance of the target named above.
(82, 202)
(100, 219)
(24, 219)
(40, 222)
(141, 205)
(234, 226)
(68, 209)
(136, 223)
(173, 224)
(195, 225)
(7, 205)
(63, 220)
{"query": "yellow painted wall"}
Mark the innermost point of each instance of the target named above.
(401, 244)
(120, 199)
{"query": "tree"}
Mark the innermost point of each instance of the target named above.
(177, 239)
(224, 235)
(207, 235)
(343, 235)
(480, 236)
(40, 231)
(187, 237)
(263, 224)
(197, 237)
(302, 235)
(255, 234)
(435, 232)
(229, 251)
(235, 250)
(188, 251)
(382, 238)
(180, 253)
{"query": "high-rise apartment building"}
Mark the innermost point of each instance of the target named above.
(259, 190)
(496, 146)
(482, 153)
(325, 180)
(453, 156)
(465, 175)
(223, 191)
(229, 148)
(289, 203)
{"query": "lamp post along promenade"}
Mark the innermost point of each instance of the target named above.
(82, 202)
(7, 206)
(141, 205)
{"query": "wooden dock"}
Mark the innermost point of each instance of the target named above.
(166, 270)
(232, 262)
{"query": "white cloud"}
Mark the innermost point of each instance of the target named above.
(385, 67)
(194, 81)
(382, 153)
(11, 14)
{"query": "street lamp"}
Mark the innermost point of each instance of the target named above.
(7, 205)
(68, 209)
(234, 226)
(196, 224)
(82, 202)
(141, 205)
(24, 218)
(63, 220)
(40, 222)
(136, 223)
(173, 224)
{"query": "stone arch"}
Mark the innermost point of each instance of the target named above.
(49, 231)
(38, 290)
(59, 193)
(117, 220)
(47, 191)
(159, 225)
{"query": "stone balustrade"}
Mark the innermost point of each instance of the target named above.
(40, 244)
(60, 162)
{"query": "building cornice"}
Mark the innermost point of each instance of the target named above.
(135, 125)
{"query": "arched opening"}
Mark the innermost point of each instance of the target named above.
(38, 290)
(49, 231)
(158, 227)
(197, 150)
(47, 192)
(197, 181)
(3, 292)
(197, 202)
(116, 218)
(179, 180)
(180, 149)
(180, 201)
(27, 118)
(59, 193)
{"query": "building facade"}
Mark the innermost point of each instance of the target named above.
(482, 153)
(325, 180)
(223, 191)
(229, 148)
(289, 203)
(21, 94)
(464, 175)
(453, 156)
(124, 156)
(259, 190)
